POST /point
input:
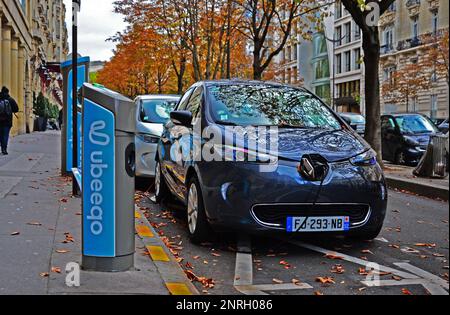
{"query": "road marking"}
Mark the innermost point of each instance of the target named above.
(144, 231)
(178, 289)
(424, 274)
(170, 271)
(157, 253)
(243, 274)
(417, 276)
(354, 260)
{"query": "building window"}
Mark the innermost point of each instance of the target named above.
(322, 69)
(415, 27)
(338, 63)
(348, 61)
(348, 32)
(338, 9)
(338, 36)
(357, 54)
(357, 32)
(388, 39)
(435, 21)
(434, 106)
(414, 104)
(294, 52)
(389, 74)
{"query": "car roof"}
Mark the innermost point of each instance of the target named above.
(157, 96)
(404, 114)
(245, 81)
(350, 114)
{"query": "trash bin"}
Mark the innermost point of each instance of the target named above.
(108, 169)
(434, 162)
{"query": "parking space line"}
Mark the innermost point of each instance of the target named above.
(424, 274)
(354, 260)
(171, 272)
(157, 253)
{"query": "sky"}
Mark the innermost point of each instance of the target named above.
(96, 23)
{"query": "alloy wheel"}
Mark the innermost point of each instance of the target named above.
(192, 208)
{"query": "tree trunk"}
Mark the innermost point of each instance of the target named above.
(371, 46)
(257, 71)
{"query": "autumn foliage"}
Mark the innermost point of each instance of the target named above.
(171, 44)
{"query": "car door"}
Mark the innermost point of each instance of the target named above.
(185, 142)
(168, 147)
(388, 136)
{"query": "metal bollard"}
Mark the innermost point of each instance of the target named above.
(108, 180)
(434, 162)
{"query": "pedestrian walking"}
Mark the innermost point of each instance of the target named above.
(8, 107)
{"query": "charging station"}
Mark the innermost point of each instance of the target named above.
(108, 170)
(67, 131)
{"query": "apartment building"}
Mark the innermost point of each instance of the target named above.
(407, 31)
(33, 42)
(330, 63)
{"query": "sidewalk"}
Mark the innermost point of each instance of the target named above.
(402, 178)
(40, 229)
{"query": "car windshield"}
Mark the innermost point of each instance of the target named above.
(414, 124)
(157, 110)
(269, 105)
(355, 119)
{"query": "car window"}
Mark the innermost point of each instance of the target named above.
(195, 102)
(184, 100)
(157, 110)
(415, 124)
(387, 124)
(269, 105)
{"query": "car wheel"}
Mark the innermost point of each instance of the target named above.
(400, 158)
(160, 184)
(199, 230)
(367, 235)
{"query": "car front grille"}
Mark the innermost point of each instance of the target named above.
(276, 215)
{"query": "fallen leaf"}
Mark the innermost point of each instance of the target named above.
(215, 254)
(396, 278)
(366, 251)
(196, 257)
(277, 281)
(44, 274)
(406, 291)
(325, 280)
(62, 251)
(333, 257)
(425, 245)
(438, 255)
(56, 269)
(15, 233)
(318, 293)
(34, 224)
(295, 281)
(338, 269)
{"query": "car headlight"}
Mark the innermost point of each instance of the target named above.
(148, 138)
(411, 142)
(235, 154)
(368, 158)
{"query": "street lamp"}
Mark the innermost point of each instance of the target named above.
(76, 4)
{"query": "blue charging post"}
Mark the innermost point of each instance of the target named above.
(67, 130)
(108, 170)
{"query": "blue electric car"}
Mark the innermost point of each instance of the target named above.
(315, 174)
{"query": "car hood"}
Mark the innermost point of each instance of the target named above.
(333, 145)
(150, 128)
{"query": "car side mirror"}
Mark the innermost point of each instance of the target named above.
(181, 118)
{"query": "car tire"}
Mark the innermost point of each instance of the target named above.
(161, 189)
(400, 158)
(198, 226)
(367, 235)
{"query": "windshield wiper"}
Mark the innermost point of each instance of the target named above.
(225, 123)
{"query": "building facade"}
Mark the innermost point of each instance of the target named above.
(33, 41)
(408, 31)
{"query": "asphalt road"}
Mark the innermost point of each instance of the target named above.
(410, 256)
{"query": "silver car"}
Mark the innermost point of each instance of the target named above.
(153, 111)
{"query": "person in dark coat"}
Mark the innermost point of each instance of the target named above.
(8, 107)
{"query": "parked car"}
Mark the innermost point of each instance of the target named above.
(325, 179)
(152, 112)
(443, 127)
(405, 137)
(356, 121)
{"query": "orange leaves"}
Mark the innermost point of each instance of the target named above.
(207, 283)
(325, 280)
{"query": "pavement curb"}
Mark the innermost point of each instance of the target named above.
(423, 190)
(172, 274)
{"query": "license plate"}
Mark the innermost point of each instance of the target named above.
(317, 224)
